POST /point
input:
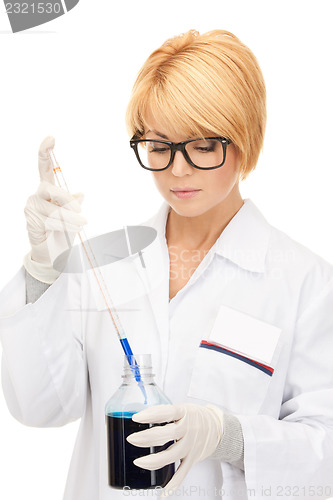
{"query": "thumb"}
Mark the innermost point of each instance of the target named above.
(44, 162)
(178, 477)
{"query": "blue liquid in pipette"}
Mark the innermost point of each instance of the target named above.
(134, 366)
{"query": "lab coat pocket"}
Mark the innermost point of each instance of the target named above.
(234, 364)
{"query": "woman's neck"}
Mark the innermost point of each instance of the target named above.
(203, 230)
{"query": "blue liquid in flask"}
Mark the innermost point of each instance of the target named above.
(122, 472)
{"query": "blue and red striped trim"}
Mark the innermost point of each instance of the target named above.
(264, 368)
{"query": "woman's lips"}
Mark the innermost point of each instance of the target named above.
(187, 193)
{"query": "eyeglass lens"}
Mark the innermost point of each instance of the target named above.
(203, 153)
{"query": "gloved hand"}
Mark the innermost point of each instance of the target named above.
(53, 220)
(196, 429)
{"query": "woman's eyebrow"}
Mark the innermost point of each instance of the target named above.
(158, 133)
(161, 135)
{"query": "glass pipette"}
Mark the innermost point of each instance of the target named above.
(101, 283)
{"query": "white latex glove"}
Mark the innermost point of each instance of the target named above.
(53, 220)
(196, 429)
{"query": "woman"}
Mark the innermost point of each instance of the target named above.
(237, 314)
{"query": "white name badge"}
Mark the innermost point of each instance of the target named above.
(244, 334)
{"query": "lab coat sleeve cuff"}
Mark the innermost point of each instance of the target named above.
(231, 446)
(34, 288)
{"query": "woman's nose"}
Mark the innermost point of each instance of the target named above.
(180, 166)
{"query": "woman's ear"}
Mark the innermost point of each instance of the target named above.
(239, 167)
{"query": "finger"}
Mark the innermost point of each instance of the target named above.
(156, 436)
(44, 162)
(159, 414)
(79, 197)
(60, 224)
(53, 221)
(39, 208)
(58, 195)
(178, 477)
(43, 224)
(157, 460)
(60, 218)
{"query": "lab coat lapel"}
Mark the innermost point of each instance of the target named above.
(153, 269)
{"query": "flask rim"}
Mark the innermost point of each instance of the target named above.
(141, 360)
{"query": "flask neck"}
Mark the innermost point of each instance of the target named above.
(130, 374)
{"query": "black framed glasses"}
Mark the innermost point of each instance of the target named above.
(206, 154)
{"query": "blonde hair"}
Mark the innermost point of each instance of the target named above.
(203, 83)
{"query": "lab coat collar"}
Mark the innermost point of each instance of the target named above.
(244, 241)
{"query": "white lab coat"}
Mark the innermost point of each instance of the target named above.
(252, 332)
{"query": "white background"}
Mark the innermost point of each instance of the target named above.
(71, 78)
